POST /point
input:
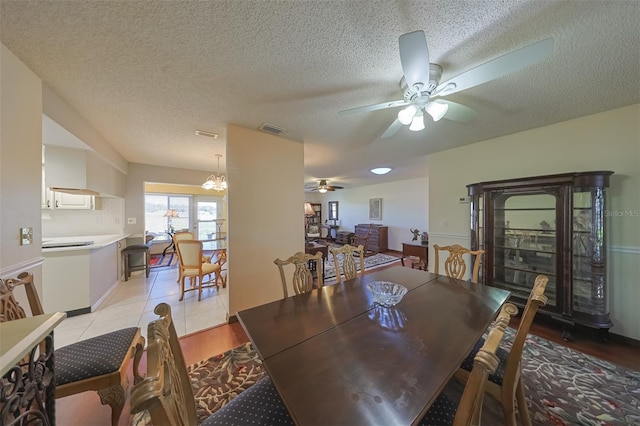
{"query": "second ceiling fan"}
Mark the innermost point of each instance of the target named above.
(421, 82)
(324, 187)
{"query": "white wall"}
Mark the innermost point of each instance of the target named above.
(405, 204)
(266, 213)
(20, 166)
(605, 141)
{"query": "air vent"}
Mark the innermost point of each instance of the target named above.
(270, 128)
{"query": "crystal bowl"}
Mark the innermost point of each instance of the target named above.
(386, 293)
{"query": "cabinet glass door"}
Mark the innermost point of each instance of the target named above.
(524, 242)
(588, 252)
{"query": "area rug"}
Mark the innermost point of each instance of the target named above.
(221, 378)
(563, 386)
(163, 261)
(370, 262)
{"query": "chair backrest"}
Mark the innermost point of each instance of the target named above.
(536, 299)
(10, 309)
(454, 264)
(166, 391)
(183, 235)
(469, 409)
(190, 254)
(302, 275)
(362, 239)
(349, 267)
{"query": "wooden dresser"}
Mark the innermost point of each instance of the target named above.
(378, 240)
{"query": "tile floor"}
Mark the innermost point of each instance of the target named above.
(132, 302)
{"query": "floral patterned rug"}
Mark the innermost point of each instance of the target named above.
(567, 387)
(563, 386)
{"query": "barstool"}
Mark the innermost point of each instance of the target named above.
(136, 248)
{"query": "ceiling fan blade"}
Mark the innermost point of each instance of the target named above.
(414, 57)
(392, 129)
(499, 67)
(333, 188)
(457, 112)
(376, 107)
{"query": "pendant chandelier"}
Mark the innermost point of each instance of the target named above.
(218, 181)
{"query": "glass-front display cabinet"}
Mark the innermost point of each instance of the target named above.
(552, 225)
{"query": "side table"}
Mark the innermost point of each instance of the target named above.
(415, 248)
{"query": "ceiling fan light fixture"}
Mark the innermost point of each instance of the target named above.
(322, 190)
(417, 123)
(405, 116)
(436, 110)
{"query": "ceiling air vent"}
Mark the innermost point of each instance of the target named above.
(270, 128)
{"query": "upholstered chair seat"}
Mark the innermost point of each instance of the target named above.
(93, 357)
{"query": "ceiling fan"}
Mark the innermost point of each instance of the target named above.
(323, 187)
(421, 82)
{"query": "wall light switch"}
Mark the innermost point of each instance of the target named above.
(26, 236)
(131, 221)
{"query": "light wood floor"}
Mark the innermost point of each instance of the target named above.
(85, 409)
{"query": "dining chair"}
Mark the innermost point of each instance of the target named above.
(302, 275)
(99, 363)
(220, 256)
(165, 393)
(349, 267)
(455, 265)
(261, 404)
(506, 385)
(191, 266)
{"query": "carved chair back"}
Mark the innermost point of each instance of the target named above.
(511, 390)
(166, 391)
(10, 309)
(455, 265)
(349, 266)
(302, 275)
(104, 371)
(469, 409)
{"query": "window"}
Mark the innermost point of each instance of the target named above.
(333, 210)
(155, 212)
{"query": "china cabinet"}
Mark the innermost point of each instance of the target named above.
(552, 225)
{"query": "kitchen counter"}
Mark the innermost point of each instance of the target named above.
(77, 279)
(99, 241)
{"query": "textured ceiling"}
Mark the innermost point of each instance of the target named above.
(146, 74)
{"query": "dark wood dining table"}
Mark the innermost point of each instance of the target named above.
(337, 358)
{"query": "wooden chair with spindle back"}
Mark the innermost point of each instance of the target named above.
(302, 276)
(455, 265)
(506, 385)
(349, 267)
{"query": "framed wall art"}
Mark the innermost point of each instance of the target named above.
(375, 208)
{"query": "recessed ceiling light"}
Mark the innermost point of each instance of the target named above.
(381, 170)
(207, 134)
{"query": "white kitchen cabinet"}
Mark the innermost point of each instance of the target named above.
(46, 195)
(64, 201)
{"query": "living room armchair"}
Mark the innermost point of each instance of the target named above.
(313, 231)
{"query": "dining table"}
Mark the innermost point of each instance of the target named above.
(337, 357)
